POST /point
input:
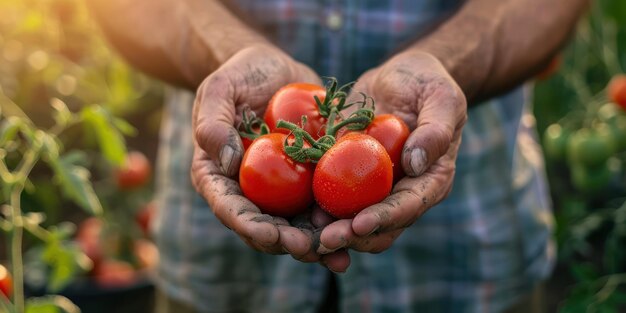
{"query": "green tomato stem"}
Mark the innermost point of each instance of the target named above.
(248, 122)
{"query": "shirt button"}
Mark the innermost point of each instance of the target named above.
(334, 20)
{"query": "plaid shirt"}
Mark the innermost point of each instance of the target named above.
(479, 250)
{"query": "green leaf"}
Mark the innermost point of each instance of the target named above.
(124, 127)
(75, 183)
(62, 257)
(51, 304)
(110, 140)
(584, 272)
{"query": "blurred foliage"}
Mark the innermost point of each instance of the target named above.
(584, 139)
(63, 88)
(51, 52)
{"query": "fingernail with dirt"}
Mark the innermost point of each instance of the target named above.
(323, 250)
(416, 162)
(226, 158)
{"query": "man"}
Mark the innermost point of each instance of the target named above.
(436, 64)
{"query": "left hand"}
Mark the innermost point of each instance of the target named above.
(417, 88)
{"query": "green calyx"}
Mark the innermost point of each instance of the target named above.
(358, 120)
(335, 98)
(251, 125)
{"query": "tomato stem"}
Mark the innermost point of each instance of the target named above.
(335, 98)
(297, 151)
(358, 120)
(251, 125)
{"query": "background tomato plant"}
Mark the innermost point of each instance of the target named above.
(54, 62)
(583, 131)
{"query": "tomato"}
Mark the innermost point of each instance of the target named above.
(145, 216)
(135, 172)
(114, 274)
(617, 90)
(594, 179)
(555, 142)
(273, 181)
(246, 142)
(352, 175)
(88, 238)
(590, 147)
(392, 133)
(293, 101)
(6, 282)
(146, 253)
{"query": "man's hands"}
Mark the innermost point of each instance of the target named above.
(417, 88)
(249, 78)
(413, 86)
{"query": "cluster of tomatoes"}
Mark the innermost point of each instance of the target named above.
(589, 143)
(104, 246)
(308, 149)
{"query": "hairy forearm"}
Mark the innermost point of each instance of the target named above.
(179, 41)
(490, 46)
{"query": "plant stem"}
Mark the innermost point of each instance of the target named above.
(16, 249)
(17, 266)
(612, 281)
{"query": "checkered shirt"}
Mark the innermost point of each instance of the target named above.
(479, 250)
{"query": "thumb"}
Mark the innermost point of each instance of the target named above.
(214, 118)
(439, 124)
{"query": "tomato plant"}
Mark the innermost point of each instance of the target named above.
(352, 175)
(273, 181)
(617, 90)
(135, 172)
(6, 282)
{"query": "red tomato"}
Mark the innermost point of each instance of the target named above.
(145, 216)
(246, 142)
(147, 253)
(352, 175)
(617, 90)
(135, 172)
(391, 132)
(6, 282)
(114, 273)
(273, 181)
(293, 101)
(88, 238)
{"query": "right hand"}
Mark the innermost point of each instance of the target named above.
(249, 78)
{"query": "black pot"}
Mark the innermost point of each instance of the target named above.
(91, 297)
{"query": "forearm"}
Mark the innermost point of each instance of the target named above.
(179, 41)
(490, 46)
